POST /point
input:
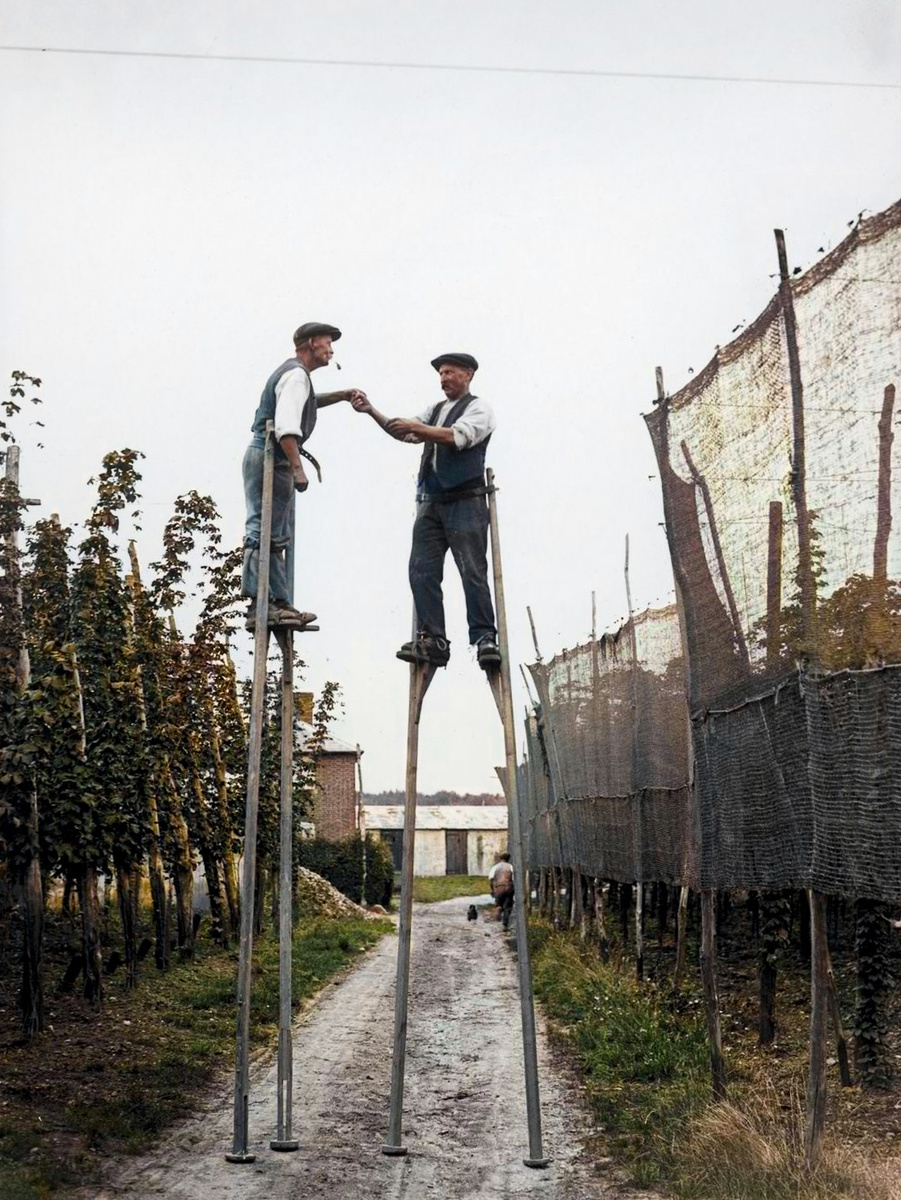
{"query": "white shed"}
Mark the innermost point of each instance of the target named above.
(451, 839)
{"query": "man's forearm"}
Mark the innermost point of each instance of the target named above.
(328, 398)
(442, 434)
(289, 444)
(382, 421)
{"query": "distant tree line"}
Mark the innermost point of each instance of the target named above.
(479, 799)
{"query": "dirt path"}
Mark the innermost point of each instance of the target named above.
(465, 1123)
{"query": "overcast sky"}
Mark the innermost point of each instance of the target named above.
(166, 223)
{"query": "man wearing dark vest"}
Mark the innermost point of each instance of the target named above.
(289, 401)
(451, 511)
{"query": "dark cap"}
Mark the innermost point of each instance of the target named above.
(313, 329)
(459, 360)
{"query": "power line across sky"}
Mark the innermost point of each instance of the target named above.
(371, 64)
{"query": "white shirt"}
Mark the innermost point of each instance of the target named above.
(291, 393)
(477, 423)
(497, 866)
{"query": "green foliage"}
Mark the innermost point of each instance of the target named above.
(64, 789)
(116, 767)
(11, 407)
(341, 863)
(856, 626)
(379, 872)
(17, 748)
(874, 982)
(646, 1069)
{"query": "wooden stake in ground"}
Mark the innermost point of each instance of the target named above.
(636, 788)
(711, 996)
(816, 1080)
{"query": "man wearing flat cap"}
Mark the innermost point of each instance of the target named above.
(290, 402)
(451, 510)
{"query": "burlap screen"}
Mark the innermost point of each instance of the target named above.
(795, 709)
(777, 464)
(606, 772)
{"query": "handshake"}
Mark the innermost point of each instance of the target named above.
(398, 427)
(358, 400)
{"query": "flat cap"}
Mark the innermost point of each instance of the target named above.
(459, 360)
(311, 329)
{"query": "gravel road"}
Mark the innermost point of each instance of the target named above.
(465, 1123)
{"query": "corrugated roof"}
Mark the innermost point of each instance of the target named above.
(437, 816)
(329, 746)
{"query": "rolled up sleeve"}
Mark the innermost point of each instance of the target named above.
(474, 425)
(291, 394)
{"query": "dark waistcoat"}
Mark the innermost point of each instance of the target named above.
(453, 468)
(266, 410)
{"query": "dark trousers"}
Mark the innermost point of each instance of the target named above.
(462, 528)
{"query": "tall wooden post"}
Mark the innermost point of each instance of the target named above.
(711, 992)
(636, 789)
(819, 949)
(284, 1139)
(240, 1152)
(501, 688)
(421, 675)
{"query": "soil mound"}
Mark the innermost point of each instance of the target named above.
(317, 898)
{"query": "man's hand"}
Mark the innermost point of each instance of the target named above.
(359, 402)
(301, 483)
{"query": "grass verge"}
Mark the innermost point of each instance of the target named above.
(646, 1071)
(429, 888)
(111, 1081)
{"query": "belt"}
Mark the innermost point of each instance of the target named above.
(309, 457)
(451, 497)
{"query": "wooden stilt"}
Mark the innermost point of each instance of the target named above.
(502, 691)
(240, 1152)
(421, 675)
(284, 1139)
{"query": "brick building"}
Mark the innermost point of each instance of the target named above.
(336, 814)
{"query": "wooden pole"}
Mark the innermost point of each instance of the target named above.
(421, 675)
(884, 494)
(799, 454)
(284, 1139)
(681, 938)
(502, 690)
(711, 996)
(734, 615)
(240, 1152)
(774, 586)
(838, 1027)
(819, 948)
(819, 1001)
(636, 789)
(688, 866)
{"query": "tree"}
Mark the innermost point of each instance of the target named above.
(19, 823)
